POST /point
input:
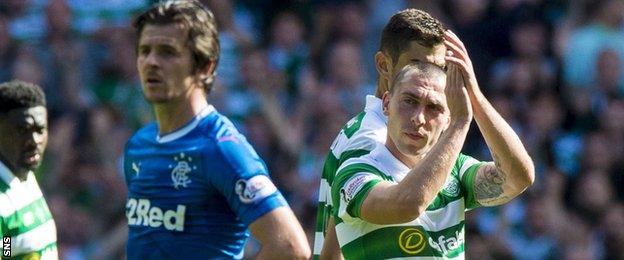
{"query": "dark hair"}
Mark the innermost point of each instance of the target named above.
(19, 94)
(203, 38)
(423, 69)
(407, 26)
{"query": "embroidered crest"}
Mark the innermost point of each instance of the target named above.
(451, 187)
(179, 173)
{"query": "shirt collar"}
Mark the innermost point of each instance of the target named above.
(187, 128)
(393, 166)
(9, 178)
(374, 105)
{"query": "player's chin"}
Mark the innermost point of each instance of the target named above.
(415, 143)
(156, 98)
(412, 149)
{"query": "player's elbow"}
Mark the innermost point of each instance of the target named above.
(292, 248)
(407, 215)
(392, 204)
(296, 250)
(523, 177)
(527, 173)
(303, 251)
(408, 209)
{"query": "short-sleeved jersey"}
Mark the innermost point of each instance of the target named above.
(358, 137)
(436, 233)
(25, 218)
(193, 192)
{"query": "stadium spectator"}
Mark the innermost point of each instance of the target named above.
(603, 30)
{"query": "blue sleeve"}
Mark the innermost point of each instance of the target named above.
(244, 181)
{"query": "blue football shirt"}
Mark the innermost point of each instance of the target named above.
(192, 193)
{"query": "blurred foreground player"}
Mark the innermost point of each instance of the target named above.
(195, 184)
(24, 213)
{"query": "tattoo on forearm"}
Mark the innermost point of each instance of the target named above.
(489, 185)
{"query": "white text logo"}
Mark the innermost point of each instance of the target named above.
(445, 245)
(140, 213)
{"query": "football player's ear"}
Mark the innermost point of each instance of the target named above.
(385, 102)
(383, 64)
(206, 73)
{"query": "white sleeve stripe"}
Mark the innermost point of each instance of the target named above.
(466, 165)
(18, 198)
(5, 210)
(35, 239)
(323, 192)
(318, 242)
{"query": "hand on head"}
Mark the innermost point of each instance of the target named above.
(458, 55)
(456, 94)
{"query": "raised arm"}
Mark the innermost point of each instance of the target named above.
(280, 235)
(391, 203)
(512, 170)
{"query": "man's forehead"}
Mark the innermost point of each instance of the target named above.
(38, 113)
(423, 87)
(170, 34)
(414, 77)
(421, 92)
(418, 52)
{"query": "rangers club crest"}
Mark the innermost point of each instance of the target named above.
(179, 172)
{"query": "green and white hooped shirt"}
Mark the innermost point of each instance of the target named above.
(358, 137)
(437, 233)
(25, 217)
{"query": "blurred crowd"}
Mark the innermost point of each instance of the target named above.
(292, 72)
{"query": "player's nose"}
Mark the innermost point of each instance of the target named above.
(151, 60)
(418, 116)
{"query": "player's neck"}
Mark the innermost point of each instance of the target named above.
(382, 86)
(409, 161)
(21, 175)
(175, 114)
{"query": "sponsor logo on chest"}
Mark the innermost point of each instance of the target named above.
(413, 241)
(141, 213)
(447, 244)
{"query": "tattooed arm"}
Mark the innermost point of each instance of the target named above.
(495, 184)
(492, 186)
(512, 170)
